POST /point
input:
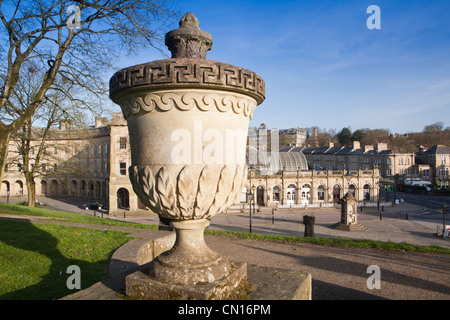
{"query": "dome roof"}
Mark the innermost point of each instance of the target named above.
(275, 162)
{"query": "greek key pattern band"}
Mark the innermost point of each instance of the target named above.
(189, 73)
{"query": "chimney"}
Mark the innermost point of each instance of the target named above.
(381, 146)
(368, 148)
(100, 122)
(356, 145)
(65, 124)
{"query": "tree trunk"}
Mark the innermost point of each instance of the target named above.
(31, 189)
(4, 144)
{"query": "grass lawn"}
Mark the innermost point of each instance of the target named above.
(34, 257)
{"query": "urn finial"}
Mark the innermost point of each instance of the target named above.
(188, 41)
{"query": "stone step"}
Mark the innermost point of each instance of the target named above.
(349, 227)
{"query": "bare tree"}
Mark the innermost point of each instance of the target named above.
(79, 42)
(31, 142)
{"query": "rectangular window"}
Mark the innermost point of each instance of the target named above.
(123, 142)
(123, 169)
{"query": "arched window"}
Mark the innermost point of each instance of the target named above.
(19, 187)
(321, 193)
(366, 192)
(291, 190)
(336, 193)
(43, 187)
(123, 198)
(306, 193)
(276, 194)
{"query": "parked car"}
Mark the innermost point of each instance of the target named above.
(93, 205)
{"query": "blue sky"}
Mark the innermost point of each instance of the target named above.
(323, 67)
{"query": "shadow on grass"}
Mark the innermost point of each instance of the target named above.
(53, 284)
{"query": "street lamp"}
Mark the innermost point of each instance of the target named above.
(254, 197)
(250, 198)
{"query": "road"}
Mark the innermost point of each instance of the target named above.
(431, 206)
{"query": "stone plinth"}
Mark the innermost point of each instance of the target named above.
(141, 285)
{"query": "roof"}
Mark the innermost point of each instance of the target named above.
(271, 163)
(438, 149)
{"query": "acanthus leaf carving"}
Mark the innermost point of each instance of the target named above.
(237, 186)
(166, 192)
(186, 193)
(204, 196)
(224, 185)
(183, 196)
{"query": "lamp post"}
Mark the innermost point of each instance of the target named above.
(254, 196)
(250, 198)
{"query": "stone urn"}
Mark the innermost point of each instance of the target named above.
(188, 121)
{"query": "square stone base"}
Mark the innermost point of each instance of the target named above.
(141, 286)
(278, 284)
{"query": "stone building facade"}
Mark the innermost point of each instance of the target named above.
(434, 165)
(88, 163)
(311, 188)
(431, 165)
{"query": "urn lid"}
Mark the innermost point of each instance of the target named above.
(187, 69)
(188, 41)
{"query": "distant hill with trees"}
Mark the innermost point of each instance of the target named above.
(433, 134)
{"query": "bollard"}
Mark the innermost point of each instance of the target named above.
(406, 215)
(273, 215)
(382, 208)
(308, 221)
(124, 214)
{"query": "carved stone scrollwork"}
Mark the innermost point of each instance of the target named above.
(184, 196)
(185, 101)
